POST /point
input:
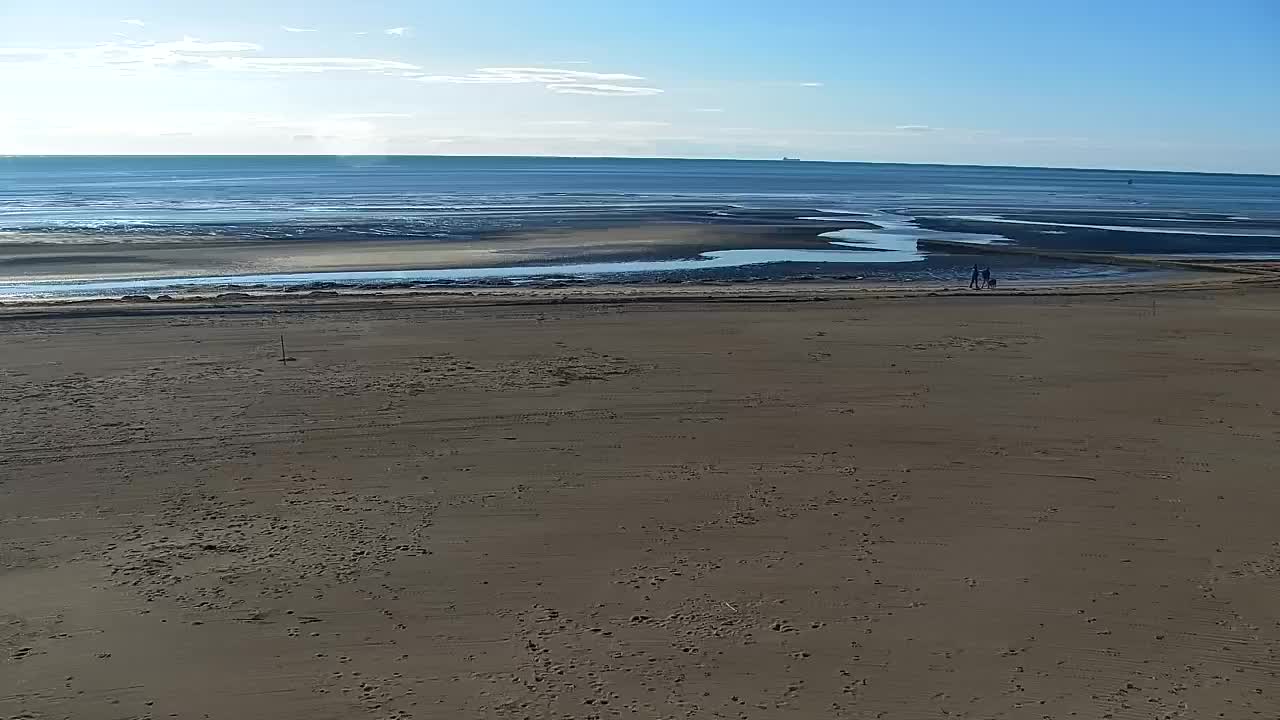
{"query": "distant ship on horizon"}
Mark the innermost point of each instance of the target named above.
(790, 159)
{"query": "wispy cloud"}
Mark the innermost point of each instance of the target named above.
(605, 139)
(398, 31)
(811, 84)
(603, 90)
(708, 110)
(131, 54)
(516, 76)
(309, 65)
(916, 128)
(618, 124)
(290, 29)
(561, 123)
(373, 116)
(568, 82)
(193, 53)
(20, 55)
(134, 21)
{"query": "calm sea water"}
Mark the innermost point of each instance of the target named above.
(248, 194)
(191, 199)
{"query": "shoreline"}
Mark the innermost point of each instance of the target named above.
(1133, 273)
(588, 293)
(1035, 273)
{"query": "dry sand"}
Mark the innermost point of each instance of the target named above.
(985, 507)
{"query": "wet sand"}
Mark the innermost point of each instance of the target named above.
(1050, 505)
(44, 263)
(53, 257)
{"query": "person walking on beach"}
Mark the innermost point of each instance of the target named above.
(973, 282)
(986, 277)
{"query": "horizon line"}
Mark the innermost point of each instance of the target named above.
(788, 160)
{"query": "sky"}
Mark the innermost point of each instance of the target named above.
(1175, 85)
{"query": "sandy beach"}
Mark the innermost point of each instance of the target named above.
(1043, 505)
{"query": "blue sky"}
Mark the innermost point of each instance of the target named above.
(1160, 85)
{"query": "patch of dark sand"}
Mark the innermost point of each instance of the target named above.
(38, 261)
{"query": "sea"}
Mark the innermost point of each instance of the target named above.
(52, 208)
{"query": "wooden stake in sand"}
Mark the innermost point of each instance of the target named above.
(284, 359)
